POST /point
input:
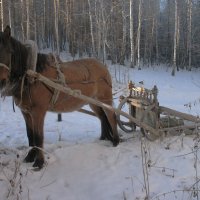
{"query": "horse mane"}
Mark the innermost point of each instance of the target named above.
(42, 62)
(2, 39)
(18, 59)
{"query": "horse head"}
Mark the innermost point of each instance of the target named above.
(13, 57)
(5, 47)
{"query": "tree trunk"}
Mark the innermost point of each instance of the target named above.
(139, 34)
(2, 16)
(175, 38)
(123, 44)
(91, 29)
(156, 29)
(189, 33)
(131, 34)
(27, 20)
(56, 7)
(103, 31)
(9, 14)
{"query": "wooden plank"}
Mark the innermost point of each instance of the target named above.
(139, 102)
(169, 111)
(181, 127)
(77, 94)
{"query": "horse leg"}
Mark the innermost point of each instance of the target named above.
(38, 125)
(112, 120)
(105, 133)
(30, 157)
(108, 130)
(36, 136)
(111, 117)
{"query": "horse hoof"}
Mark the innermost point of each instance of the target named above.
(38, 164)
(28, 159)
(30, 156)
(115, 142)
(102, 138)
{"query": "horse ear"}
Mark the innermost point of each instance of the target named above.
(7, 32)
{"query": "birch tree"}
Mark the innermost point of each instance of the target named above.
(91, 28)
(56, 8)
(175, 37)
(9, 14)
(124, 32)
(139, 33)
(131, 34)
(189, 32)
(27, 20)
(103, 28)
(2, 16)
(150, 16)
(156, 28)
(141, 30)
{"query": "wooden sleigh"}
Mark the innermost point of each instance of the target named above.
(143, 105)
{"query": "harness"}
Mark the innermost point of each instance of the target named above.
(60, 79)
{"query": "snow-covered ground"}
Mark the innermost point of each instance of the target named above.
(81, 167)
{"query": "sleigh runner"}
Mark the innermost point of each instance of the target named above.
(139, 109)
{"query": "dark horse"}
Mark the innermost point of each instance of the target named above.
(35, 98)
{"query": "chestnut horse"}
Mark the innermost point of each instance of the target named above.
(35, 98)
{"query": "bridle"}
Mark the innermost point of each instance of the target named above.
(5, 67)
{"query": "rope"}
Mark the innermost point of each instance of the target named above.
(61, 79)
(21, 89)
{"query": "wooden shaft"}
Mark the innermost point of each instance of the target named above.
(185, 116)
(77, 94)
(87, 112)
(181, 127)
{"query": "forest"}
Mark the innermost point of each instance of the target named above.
(131, 32)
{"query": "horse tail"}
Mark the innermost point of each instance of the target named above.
(107, 128)
(107, 77)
